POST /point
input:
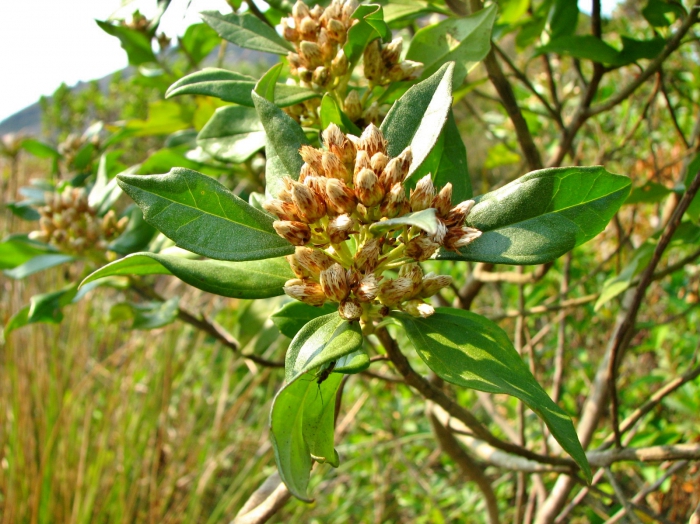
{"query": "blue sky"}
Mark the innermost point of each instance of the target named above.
(46, 42)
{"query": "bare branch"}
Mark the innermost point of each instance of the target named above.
(264, 502)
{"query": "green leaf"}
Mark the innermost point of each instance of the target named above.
(471, 351)
(136, 236)
(620, 283)
(254, 279)
(198, 41)
(563, 18)
(417, 118)
(266, 85)
(233, 134)
(283, 133)
(633, 50)
(651, 192)
(694, 209)
(319, 420)
(247, 31)
(26, 210)
(234, 87)
(586, 47)
(447, 162)
(332, 114)
(36, 264)
(542, 215)
(355, 362)
(164, 117)
(204, 217)
(656, 12)
(150, 315)
(297, 420)
(294, 315)
(15, 250)
(499, 155)
(371, 25)
(465, 41)
(292, 428)
(39, 149)
(46, 308)
(136, 44)
(426, 220)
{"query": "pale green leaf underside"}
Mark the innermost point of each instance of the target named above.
(247, 31)
(233, 134)
(426, 220)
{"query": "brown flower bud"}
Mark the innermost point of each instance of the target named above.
(320, 76)
(373, 63)
(338, 144)
(458, 237)
(305, 74)
(421, 248)
(296, 233)
(406, 70)
(440, 232)
(459, 213)
(334, 283)
(372, 141)
(310, 205)
(308, 27)
(422, 196)
(412, 271)
(299, 270)
(391, 174)
(339, 228)
(349, 8)
(307, 291)
(318, 185)
(353, 106)
(392, 292)
(312, 260)
(306, 171)
(367, 188)
(41, 236)
(334, 167)
(418, 308)
(339, 65)
(379, 162)
(367, 256)
(362, 161)
(340, 198)
(300, 10)
(311, 53)
(290, 34)
(368, 288)
(350, 310)
(393, 201)
(392, 51)
(336, 31)
(434, 283)
(312, 156)
(282, 210)
(316, 12)
(443, 201)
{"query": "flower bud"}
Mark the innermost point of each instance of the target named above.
(339, 65)
(443, 201)
(316, 12)
(421, 248)
(367, 188)
(368, 288)
(300, 10)
(349, 8)
(367, 256)
(458, 237)
(310, 205)
(311, 53)
(333, 167)
(371, 114)
(422, 196)
(372, 141)
(418, 308)
(312, 260)
(406, 70)
(308, 27)
(392, 51)
(312, 156)
(318, 185)
(296, 233)
(298, 270)
(340, 198)
(434, 283)
(405, 159)
(392, 292)
(326, 45)
(362, 161)
(412, 271)
(339, 228)
(459, 213)
(379, 162)
(393, 201)
(336, 31)
(307, 291)
(440, 232)
(353, 106)
(41, 236)
(320, 76)
(334, 283)
(350, 310)
(290, 34)
(305, 74)
(373, 63)
(282, 210)
(306, 171)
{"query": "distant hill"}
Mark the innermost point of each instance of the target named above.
(28, 120)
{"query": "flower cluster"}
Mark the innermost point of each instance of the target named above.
(382, 63)
(333, 214)
(318, 35)
(71, 224)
